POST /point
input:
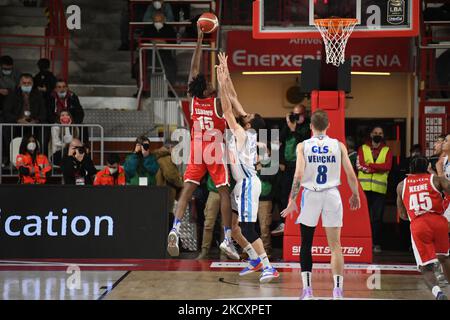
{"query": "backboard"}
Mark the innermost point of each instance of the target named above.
(287, 19)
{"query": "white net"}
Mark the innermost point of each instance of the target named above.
(335, 33)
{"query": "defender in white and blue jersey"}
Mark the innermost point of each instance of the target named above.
(242, 153)
(318, 171)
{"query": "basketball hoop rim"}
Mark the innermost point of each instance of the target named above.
(335, 22)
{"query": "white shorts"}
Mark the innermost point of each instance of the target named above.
(327, 203)
(245, 199)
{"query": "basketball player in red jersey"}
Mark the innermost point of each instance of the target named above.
(206, 152)
(419, 199)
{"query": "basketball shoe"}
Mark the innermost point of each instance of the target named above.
(172, 243)
(253, 266)
(268, 274)
(229, 249)
(307, 294)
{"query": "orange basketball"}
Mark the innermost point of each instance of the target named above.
(208, 22)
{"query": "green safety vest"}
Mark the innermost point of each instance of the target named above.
(376, 182)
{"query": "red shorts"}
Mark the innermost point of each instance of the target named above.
(207, 157)
(429, 235)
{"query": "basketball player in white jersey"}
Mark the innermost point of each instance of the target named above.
(318, 171)
(443, 170)
(242, 156)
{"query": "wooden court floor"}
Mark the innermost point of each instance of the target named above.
(183, 279)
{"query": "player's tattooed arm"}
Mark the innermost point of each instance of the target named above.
(299, 171)
(400, 205)
(296, 185)
(295, 188)
(442, 184)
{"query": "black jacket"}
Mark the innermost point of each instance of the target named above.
(301, 133)
(73, 106)
(13, 107)
(72, 169)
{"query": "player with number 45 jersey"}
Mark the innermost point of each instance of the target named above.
(419, 200)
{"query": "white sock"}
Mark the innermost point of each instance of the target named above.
(338, 281)
(176, 224)
(307, 279)
(227, 233)
(265, 261)
(251, 252)
(436, 290)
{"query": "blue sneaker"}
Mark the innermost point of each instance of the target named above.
(268, 274)
(253, 266)
(441, 296)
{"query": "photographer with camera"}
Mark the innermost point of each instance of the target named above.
(77, 166)
(295, 131)
(141, 166)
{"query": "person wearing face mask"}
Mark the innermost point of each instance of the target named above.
(158, 7)
(113, 174)
(25, 105)
(374, 163)
(33, 167)
(63, 99)
(141, 166)
(62, 136)
(9, 78)
(295, 131)
(160, 32)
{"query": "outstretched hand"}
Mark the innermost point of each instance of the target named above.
(223, 59)
(290, 209)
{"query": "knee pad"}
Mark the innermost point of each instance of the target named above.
(249, 231)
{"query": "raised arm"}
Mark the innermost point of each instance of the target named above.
(195, 62)
(400, 205)
(296, 184)
(355, 202)
(227, 109)
(232, 92)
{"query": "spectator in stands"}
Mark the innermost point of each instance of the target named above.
(158, 7)
(168, 174)
(33, 166)
(62, 137)
(9, 77)
(113, 174)
(45, 80)
(62, 99)
(141, 164)
(77, 166)
(160, 32)
(25, 105)
(294, 131)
